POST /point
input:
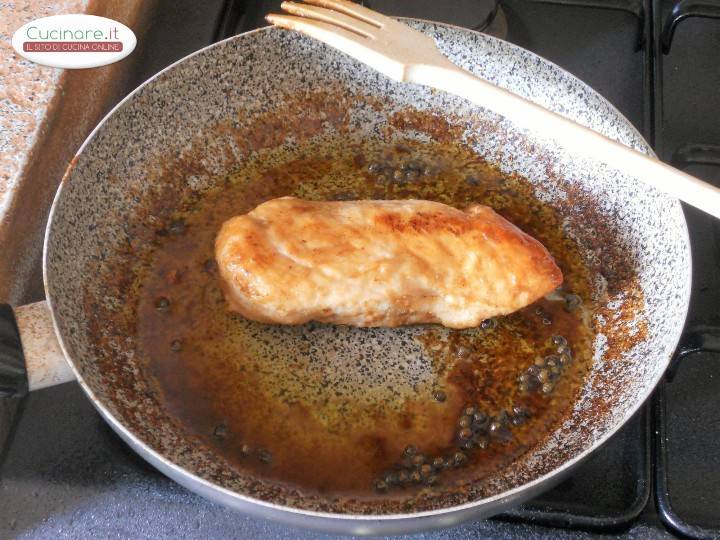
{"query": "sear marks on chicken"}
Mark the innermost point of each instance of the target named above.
(379, 263)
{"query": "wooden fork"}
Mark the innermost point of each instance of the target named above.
(407, 55)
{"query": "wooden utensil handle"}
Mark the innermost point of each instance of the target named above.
(575, 138)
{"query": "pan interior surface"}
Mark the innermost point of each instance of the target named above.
(361, 412)
(226, 127)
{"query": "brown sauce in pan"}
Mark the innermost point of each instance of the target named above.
(270, 400)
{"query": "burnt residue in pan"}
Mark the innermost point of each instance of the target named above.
(363, 412)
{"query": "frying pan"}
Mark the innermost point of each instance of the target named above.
(178, 135)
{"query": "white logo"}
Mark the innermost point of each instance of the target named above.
(74, 41)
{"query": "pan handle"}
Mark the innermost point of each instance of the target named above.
(697, 339)
(30, 355)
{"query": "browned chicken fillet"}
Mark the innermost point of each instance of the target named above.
(379, 263)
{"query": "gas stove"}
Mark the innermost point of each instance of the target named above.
(63, 472)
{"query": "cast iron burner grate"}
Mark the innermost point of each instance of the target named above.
(484, 15)
(685, 414)
(607, 492)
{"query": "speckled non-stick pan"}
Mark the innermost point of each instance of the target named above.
(259, 98)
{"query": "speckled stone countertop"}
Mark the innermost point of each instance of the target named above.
(45, 113)
(26, 90)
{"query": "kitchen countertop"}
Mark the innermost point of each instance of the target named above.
(28, 97)
(26, 91)
(45, 113)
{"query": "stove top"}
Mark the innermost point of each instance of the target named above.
(63, 472)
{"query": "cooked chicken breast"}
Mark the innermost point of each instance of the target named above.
(379, 263)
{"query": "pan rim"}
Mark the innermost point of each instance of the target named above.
(252, 505)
